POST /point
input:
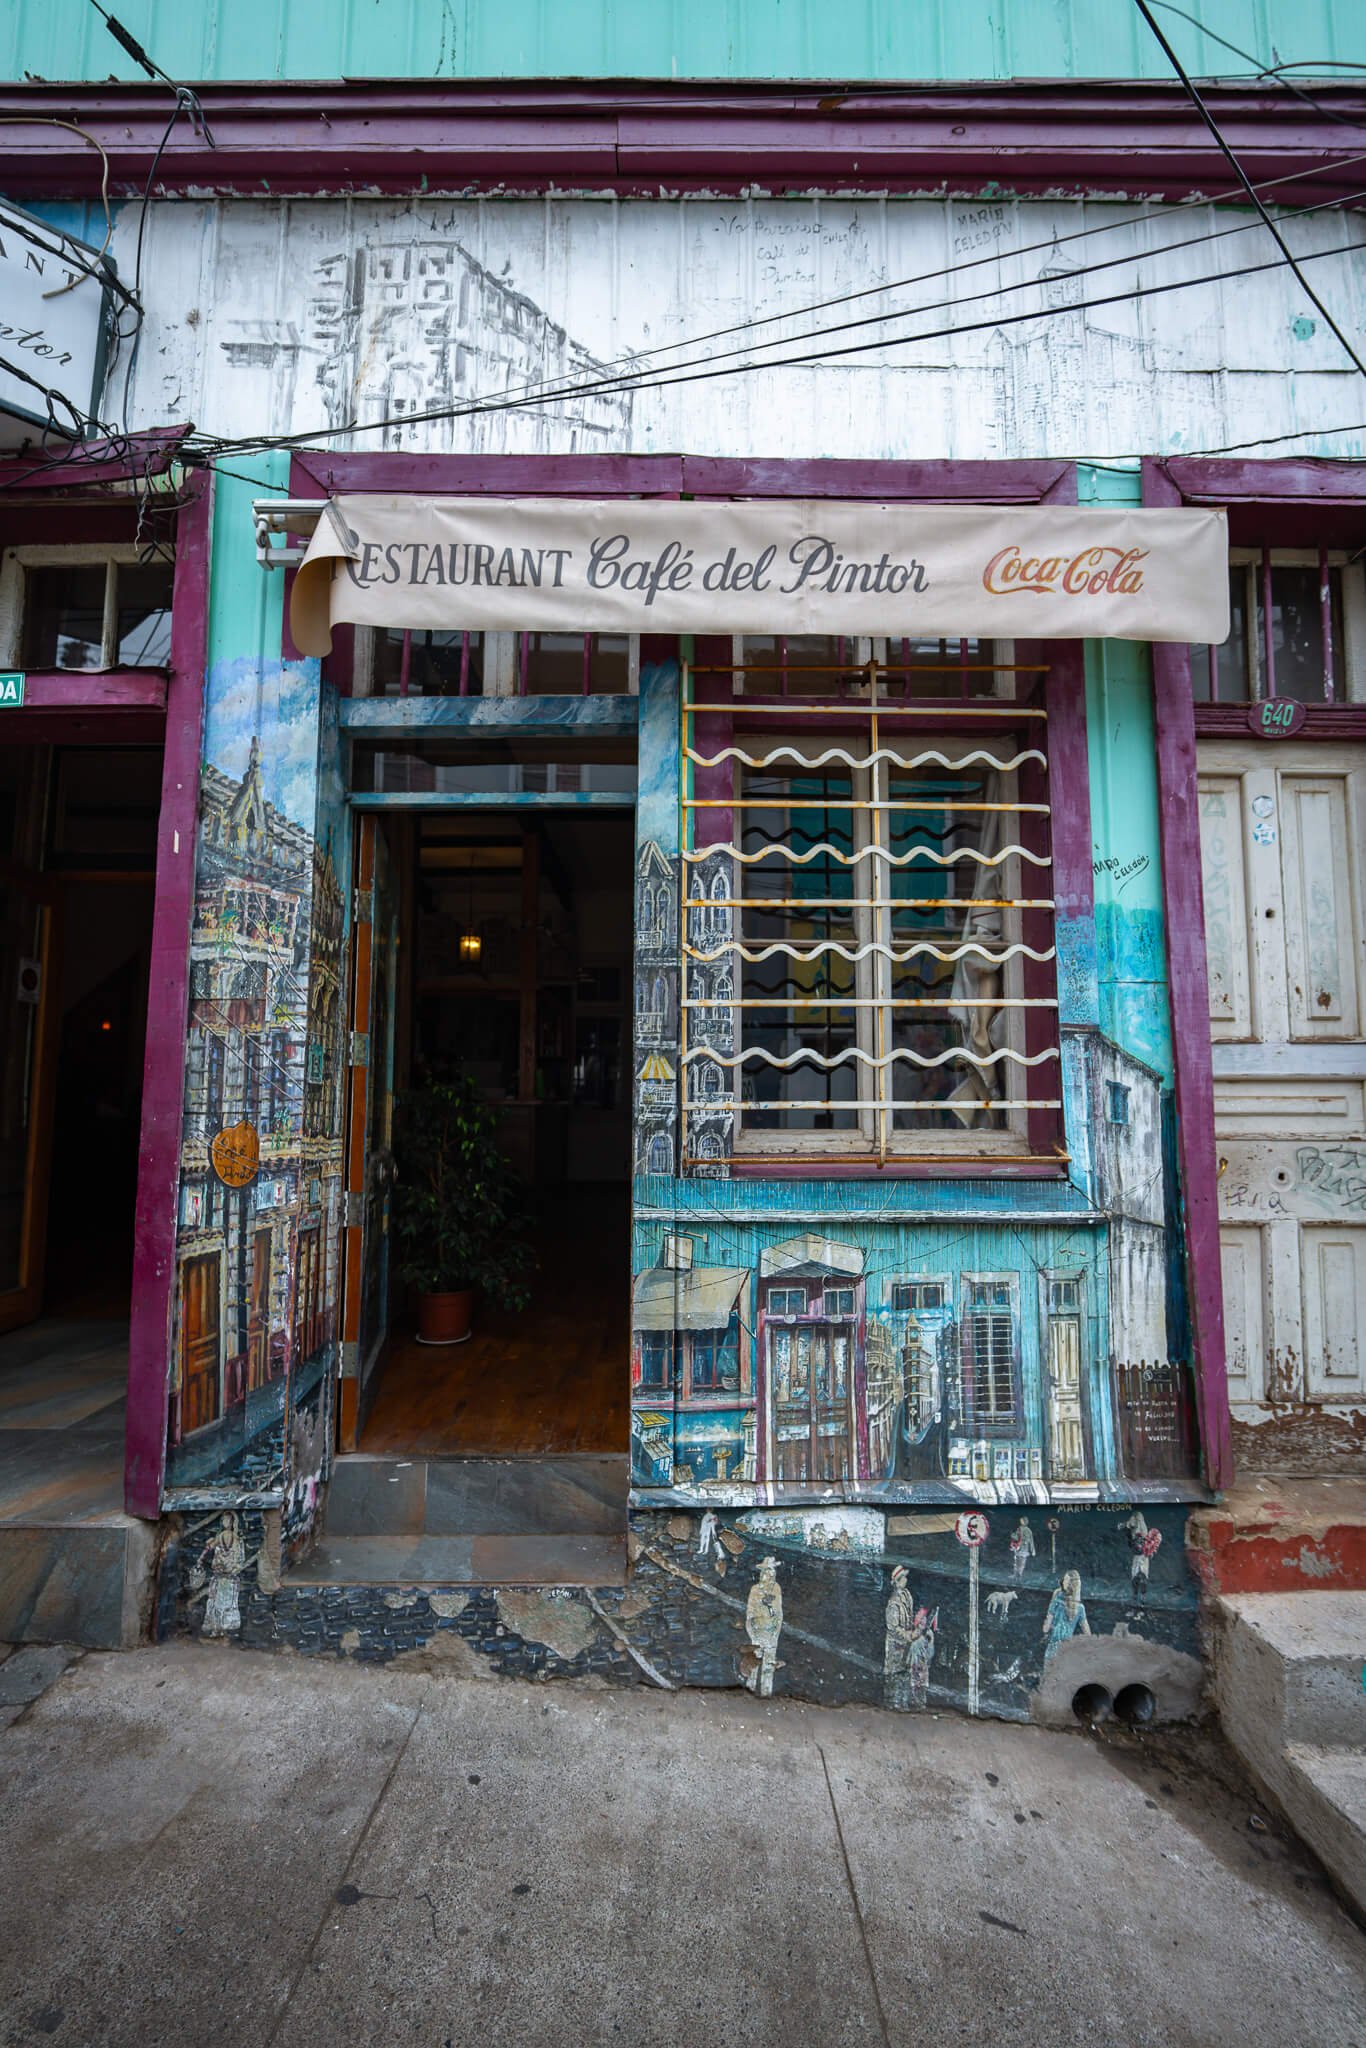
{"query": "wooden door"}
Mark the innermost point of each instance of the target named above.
(200, 1336)
(1282, 834)
(28, 1020)
(369, 1154)
(1066, 1438)
(258, 1314)
(810, 1372)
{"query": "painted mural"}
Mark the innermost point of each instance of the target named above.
(320, 314)
(257, 1270)
(1004, 1614)
(916, 1358)
(836, 1333)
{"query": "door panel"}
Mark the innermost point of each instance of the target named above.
(1226, 933)
(1066, 1439)
(369, 1159)
(1290, 1087)
(1318, 857)
(200, 1328)
(1334, 1267)
(1241, 1259)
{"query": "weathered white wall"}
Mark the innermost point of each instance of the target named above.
(277, 317)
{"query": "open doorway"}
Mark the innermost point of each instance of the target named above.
(519, 977)
(77, 855)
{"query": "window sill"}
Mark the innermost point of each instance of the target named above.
(823, 1167)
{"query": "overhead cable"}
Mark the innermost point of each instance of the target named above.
(1243, 179)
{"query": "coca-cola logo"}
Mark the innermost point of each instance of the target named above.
(1095, 572)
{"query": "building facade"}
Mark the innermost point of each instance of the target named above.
(964, 1217)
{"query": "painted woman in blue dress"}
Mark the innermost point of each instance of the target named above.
(1066, 1617)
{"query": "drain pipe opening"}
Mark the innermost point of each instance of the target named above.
(1091, 1703)
(1135, 1704)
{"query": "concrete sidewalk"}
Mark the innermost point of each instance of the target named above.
(201, 1846)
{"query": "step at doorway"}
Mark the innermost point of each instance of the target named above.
(471, 1521)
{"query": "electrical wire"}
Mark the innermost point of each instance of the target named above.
(548, 390)
(50, 121)
(1327, 113)
(631, 384)
(1236, 167)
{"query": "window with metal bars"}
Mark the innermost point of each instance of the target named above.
(990, 1392)
(1297, 630)
(868, 918)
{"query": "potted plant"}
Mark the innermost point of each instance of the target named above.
(456, 1208)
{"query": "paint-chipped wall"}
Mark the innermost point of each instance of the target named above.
(267, 319)
(836, 1605)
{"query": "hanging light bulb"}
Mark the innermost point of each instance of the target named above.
(470, 947)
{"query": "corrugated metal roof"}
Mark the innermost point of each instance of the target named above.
(739, 39)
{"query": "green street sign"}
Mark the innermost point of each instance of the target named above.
(11, 689)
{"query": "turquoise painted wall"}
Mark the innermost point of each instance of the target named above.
(1122, 745)
(752, 39)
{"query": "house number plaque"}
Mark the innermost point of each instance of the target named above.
(1276, 718)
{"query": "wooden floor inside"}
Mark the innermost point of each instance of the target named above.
(549, 1381)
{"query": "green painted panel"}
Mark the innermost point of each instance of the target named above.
(246, 605)
(752, 39)
(1130, 926)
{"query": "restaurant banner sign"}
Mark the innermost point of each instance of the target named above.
(774, 565)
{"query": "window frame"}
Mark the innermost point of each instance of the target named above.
(938, 725)
(974, 1423)
(505, 665)
(1255, 562)
(15, 566)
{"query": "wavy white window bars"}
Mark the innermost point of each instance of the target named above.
(850, 986)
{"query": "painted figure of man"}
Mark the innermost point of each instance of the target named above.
(1021, 1548)
(226, 1557)
(764, 1625)
(922, 1655)
(1144, 1544)
(1066, 1616)
(900, 1638)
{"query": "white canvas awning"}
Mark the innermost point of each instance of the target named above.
(783, 565)
(702, 1299)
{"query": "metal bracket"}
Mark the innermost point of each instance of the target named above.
(348, 1361)
(274, 519)
(353, 1208)
(363, 906)
(360, 1049)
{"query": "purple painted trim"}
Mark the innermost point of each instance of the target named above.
(154, 1238)
(128, 689)
(1321, 722)
(1297, 502)
(981, 483)
(146, 454)
(1069, 780)
(1188, 980)
(1200, 480)
(669, 476)
(1131, 137)
(502, 476)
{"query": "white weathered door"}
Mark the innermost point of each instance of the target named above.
(1282, 838)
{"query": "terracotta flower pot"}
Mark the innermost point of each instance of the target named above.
(445, 1318)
